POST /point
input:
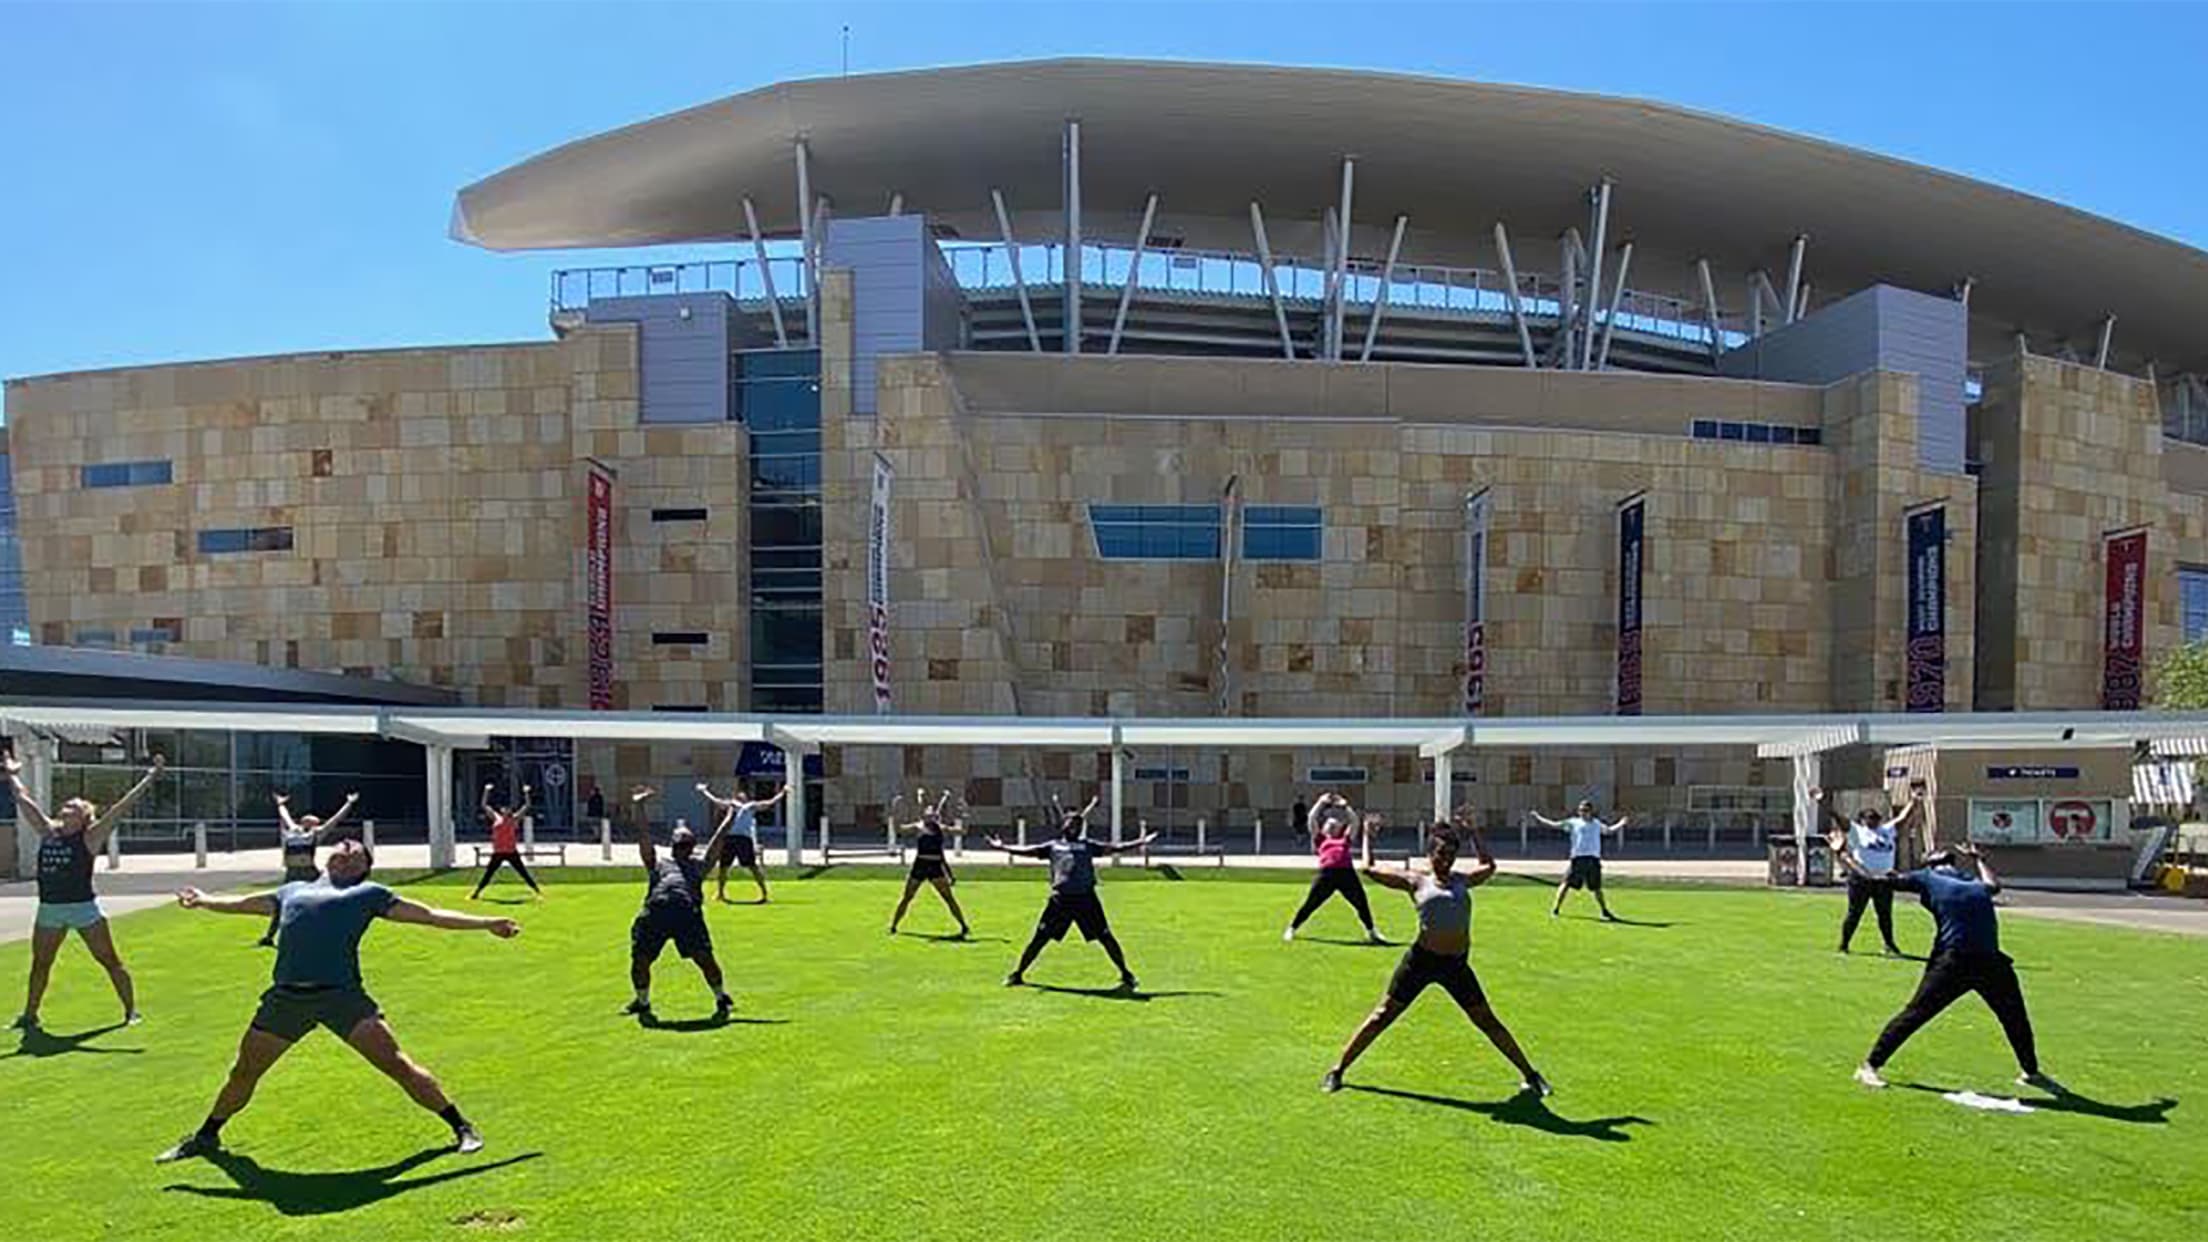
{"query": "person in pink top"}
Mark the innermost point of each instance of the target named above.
(1335, 828)
(505, 842)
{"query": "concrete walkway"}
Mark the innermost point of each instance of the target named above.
(152, 879)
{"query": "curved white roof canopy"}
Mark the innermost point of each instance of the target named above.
(1454, 155)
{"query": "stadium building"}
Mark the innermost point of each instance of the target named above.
(1088, 388)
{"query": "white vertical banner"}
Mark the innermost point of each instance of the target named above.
(1476, 507)
(877, 583)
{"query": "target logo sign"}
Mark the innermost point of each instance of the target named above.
(2003, 820)
(2072, 820)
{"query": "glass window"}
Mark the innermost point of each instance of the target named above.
(1336, 776)
(1156, 532)
(1809, 435)
(1782, 435)
(678, 515)
(786, 474)
(679, 638)
(1759, 433)
(785, 635)
(788, 699)
(245, 539)
(127, 474)
(785, 526)
(1705, 429)
(1732, 431)
(1282, 532)
(2192, 589)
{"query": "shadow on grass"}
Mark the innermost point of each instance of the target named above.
(506, 901)
(1525, 1109)
(1616, 922)
(1351, 944)
(1118, 994)
(2151, 1113)
(39, 1042)
(691, 1026)
(318, 1194)
(952, 938)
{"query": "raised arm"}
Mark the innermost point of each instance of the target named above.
(1837, 838)
(404, 911)
(641, 826)
(1089, 809)
(329, 826)
(779, 794)
(713, 843)
(1986, 874)
(1617, 827)
(1023, 851)
(1106, 847)
(96, 835)
(39, 818)
(1545, 821)
(284, 816)
(261, 904)
(1483, 859)
(527, 798)
(706, 791)
(489, 811)
(1825, 811)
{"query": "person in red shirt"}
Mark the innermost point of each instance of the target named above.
(505, 842)
(1334, 829)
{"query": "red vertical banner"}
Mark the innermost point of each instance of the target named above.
(1632, 528)
(2124, 650)
(598, 583)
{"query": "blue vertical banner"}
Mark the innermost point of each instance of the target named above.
(1927, 639)
(1632, 519)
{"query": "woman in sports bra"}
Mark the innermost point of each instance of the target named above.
(928, 864)
(1441, 953)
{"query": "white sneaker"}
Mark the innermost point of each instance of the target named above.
(1372, 936)
(1868, 1077)
(1536, 1086)
(1288, 935)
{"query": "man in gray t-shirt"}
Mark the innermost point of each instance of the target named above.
(317, 983)
(1073, 901)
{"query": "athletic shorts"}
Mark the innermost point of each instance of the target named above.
(289, 1011)
(656, 925)
(1586, 872)
(65, 914)
(1423, 967)
(930, 869)
(1066, 910)
(738, 850)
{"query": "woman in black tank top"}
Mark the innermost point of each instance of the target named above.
(929, 866)
(68, 840)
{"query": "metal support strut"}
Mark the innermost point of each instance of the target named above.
(805, 242)
(1019, 282)
(1380, 298)
(1517, 303)
(766, 273)
(1272, 280)
(1134, 271)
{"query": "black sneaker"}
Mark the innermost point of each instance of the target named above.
(641, 1010)
(26, 1024)
(1127, 983)
(265, 942)
(466, 1141)
(723, 1007)
(1332, 1082)
(193, 1146)
(1015, 980)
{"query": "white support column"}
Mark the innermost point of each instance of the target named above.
(37, 755)
(1331, 234)
(528, 832)
(1808, 775)
(806, 241)
(1272, 280)
(605, 838)
(766, 273)
(1794, 274)
(1709, 309)
(1617, 296)
(437, 773)
(1134, 271)
(1072, 313)
(1341, 253)
(1380, 298)
(115, 849)
(1962, 292)
(199, 846)
(1517, 303)
(1019, 281)
(1119, 788)
(1444, 765)
(1801, 302)
(897, 202)
(1594, 272)
(368, 834)
(793, 777)
(2108, 335)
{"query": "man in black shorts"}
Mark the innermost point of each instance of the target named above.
(739, 836)
(674, 909)
(317, 983)
(1073, 901)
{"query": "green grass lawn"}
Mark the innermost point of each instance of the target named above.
(886, 1088)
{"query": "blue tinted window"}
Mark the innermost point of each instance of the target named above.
(1732, 431)
(1809, 435)
(2192, 587)
(245, 539)
(127, 474)
(1156, 532)
(1759, 433)
(1782, 435)
(1282, 532)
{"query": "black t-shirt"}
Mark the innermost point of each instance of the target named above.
(64, 869)
(1072, 867)
(929, 844)
(676, 882)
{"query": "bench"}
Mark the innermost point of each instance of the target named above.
(529, 853)
(1201, 847)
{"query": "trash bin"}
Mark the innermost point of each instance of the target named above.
(1785, 862)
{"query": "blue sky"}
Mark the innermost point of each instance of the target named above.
(205, 181)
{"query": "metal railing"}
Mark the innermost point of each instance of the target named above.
(984, 266)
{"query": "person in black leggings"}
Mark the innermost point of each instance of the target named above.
(1957, 885)
(1334, 832)
(302, 836)
(928, 864)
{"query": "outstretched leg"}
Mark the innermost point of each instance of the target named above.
(98, 939)
(912, 885)
(1110, 944)
(759, 877)
(1942, 983)
(1882, 900)
(527, 878)
(710, 967)
(1321, 885)
(1563, 886)
(373, 1040)
(943, 889)
(1859, 896)
(1353, 890)
(1997, 984)
(258, 1051)
(497, 861)
(45, 946)
(1028, 955)
(1594, 885)
(1382, 1017)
